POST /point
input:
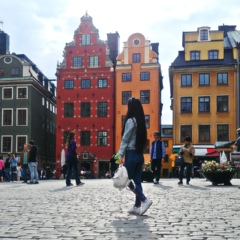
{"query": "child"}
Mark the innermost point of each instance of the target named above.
(19, 172)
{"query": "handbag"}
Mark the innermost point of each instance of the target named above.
(178, 161)
(120, 178)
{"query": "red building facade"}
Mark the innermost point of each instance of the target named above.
(85, 97)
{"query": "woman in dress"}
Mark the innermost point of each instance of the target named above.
(134, 136)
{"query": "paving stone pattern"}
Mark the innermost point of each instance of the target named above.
(96, 210)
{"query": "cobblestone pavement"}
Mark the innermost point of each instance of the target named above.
(96, 210)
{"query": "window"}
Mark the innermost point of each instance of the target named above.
(85, 83)
(194, 55)
(204, 79)
(213, 54)
(147, 121)
(186, 130)
(102, 109)
(14, 71)
(77, 62)
(145, 96)
(125, 96)
(222, 132)
(166, 143)
(102, 138)
(93, 61)
(7, 117)
(204, 104)
(21, 140)
(7, 93)
(222, 79)
(186, 105)
(85, 138)
(102, 83)
(43, 101)
(85, 109)
(147, 148)
(204, 35)
(144, 76)
(2, 72)
(204, 133)
(222, 103)
(85, 39)
(167, 131)
(136, 57)
(22, 93)
(186, 80)
(126, 77)
(68, 84)
(21, 117)
(6, 144)
(65, 134)
(68, 110)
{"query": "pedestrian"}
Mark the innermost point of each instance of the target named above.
(72, 161)
(174, 171)
(238, 140)
(134, 137)
(13, 167)
(187, 152)
(157, 154)
(1, 168)
(24, 155)
(113, 165)
(19, 172)
(32, 162)
(7, 168)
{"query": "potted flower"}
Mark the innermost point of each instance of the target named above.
(218, 173)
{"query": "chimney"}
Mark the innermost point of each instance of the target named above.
(4, 43)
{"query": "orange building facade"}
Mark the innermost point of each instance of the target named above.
(138, 74)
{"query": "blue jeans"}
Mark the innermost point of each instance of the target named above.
(72, 164)
(7, 174)
(33, 171)
(25, 171)
(133, 163)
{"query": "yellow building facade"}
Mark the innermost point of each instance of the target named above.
(138, 74)
(203, 80)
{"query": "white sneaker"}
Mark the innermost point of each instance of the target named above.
(145, 206)
(134, 210)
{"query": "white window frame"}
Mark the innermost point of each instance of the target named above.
(2, 150)
(3, 114)
(17, 116)
(43, 101)
(199, 34)
(17, 136)
(3, 93)
(26, 92)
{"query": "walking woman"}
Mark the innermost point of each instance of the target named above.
(13, 167)
(134, 136)
(187, 151)
(72, 162)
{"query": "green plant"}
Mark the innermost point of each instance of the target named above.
(213, 166)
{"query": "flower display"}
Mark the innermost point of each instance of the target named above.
(213, 166)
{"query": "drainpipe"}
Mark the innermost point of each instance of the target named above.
(238, 85)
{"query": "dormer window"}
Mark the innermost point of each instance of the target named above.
(203, 34)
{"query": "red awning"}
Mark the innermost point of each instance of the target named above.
(212, 152)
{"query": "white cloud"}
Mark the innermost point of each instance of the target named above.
(40, 29)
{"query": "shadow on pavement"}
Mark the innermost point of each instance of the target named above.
(136, 228)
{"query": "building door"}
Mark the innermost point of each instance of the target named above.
(103, 167)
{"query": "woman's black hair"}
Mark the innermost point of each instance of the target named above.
(135, 110)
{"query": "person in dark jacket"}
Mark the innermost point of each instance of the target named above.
(72, 162)
(157, 155)
(32, 163)
(7, 168)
